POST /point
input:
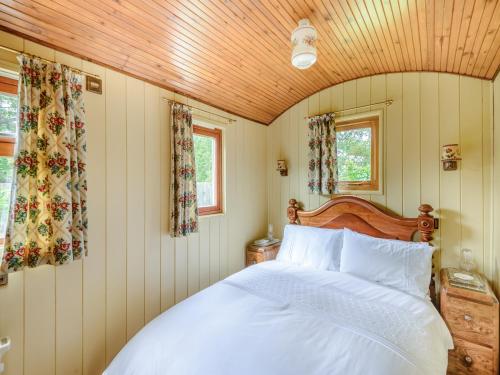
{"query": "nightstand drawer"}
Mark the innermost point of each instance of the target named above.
(469, 358)
(254, 257)
(471, 321)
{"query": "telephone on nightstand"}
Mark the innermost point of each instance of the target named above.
(4, 348)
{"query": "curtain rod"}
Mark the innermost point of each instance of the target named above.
(199, 109)
(386, 102)
(47, 60)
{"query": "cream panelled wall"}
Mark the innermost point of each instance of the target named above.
(429, 110)
(74, 319)
(496, 182)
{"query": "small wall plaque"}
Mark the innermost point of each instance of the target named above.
(94, 84)
(4, 279)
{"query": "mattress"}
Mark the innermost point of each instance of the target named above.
(274, 318)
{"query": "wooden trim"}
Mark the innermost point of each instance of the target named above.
(372, 122)
(217, 135)
(7, 146)
(8, 85)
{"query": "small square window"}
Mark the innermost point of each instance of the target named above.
(358, 154)
(208, 157)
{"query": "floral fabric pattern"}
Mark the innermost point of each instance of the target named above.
(323, 175)
(183, 197)
(48, 214)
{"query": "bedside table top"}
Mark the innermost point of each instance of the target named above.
(260, 248)
(487, 298)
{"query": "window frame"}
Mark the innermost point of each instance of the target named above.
(216, 134)
(374, 121)
(7, 144)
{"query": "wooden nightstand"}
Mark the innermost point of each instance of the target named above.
(472, 318)
(256, 254)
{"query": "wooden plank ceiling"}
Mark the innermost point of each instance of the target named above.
(235, 55)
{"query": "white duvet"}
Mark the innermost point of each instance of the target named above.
(274, 318)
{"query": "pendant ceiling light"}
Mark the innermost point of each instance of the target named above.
(304, 45)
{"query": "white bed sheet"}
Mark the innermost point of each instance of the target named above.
(274, 318)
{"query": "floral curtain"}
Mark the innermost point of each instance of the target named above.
(48, 215)
(183, 201)
(323, 174)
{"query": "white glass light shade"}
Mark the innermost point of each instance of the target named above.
(304, 45)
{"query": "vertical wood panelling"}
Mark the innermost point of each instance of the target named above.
(428, 110)
(135, 205)
(193, 263)
(116, 213)
(181, 269)
(430, 147)
(40, 301)
(152, 164)
(293, 156)
(488, 199)
(94, 265)
(495, 264)
(285, 152)
(204, 273)
(69, 318)
(471, 144)
(74, 319)
(449, 187)
(167, 243)
(214, 262)
(394, 144)
(12, 324)
(411, 144)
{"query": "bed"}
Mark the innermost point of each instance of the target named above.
(279, 318)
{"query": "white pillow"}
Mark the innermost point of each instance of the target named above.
(404, 265)
(311, 247)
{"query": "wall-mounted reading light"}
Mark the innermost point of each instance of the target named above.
(282, 168)
(450, 157)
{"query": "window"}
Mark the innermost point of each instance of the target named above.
(358, 153)
(208, 155)
(8, 125)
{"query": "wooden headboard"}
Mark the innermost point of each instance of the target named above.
(364, 217)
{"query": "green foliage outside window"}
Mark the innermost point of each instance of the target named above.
(8, 113)
(204, 154)
(8, 123)
(354, 155)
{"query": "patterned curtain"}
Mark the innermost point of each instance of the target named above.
(183, 202)
(323, 174)
(48, 215)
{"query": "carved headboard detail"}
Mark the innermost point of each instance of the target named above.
(364, 217)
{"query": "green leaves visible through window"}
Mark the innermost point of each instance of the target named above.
(354, 154)
(204, 149)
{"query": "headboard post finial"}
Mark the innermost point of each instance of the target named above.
(425, 222)
(292, 211)
(426, 228)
